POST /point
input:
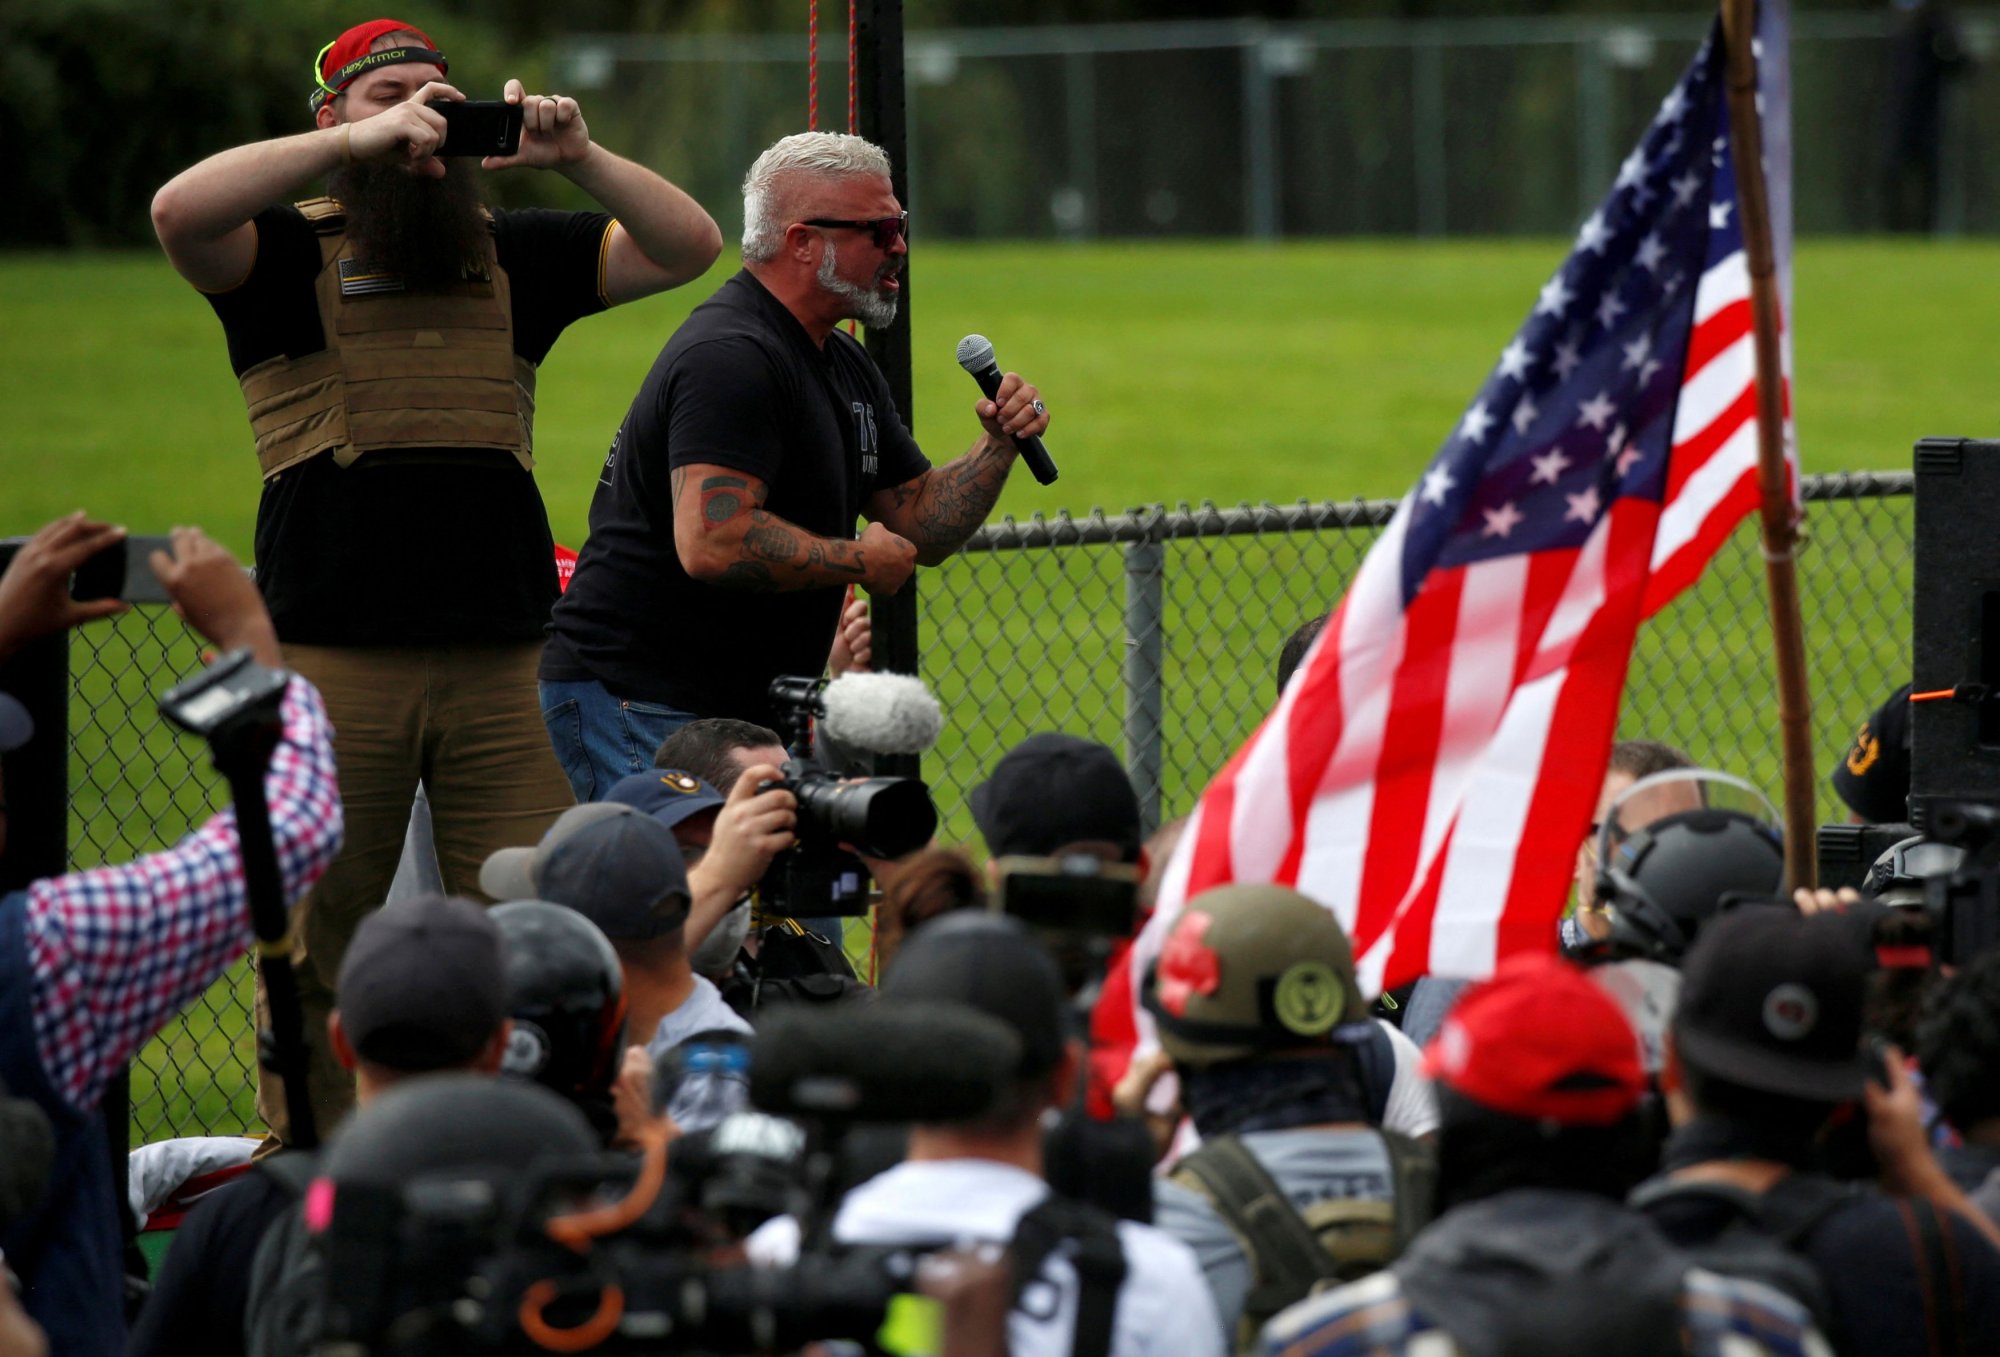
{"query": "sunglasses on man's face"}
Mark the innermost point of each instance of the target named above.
(887, 230)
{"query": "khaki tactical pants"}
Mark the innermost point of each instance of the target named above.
(465, 721)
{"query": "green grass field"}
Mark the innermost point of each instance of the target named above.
(1176, 372)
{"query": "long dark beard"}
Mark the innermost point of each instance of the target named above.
(428, 230)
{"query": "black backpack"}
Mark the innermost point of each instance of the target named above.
(1765, 1235)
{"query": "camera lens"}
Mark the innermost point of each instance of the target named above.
(883, 817)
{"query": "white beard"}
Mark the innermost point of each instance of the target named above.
(871, 308)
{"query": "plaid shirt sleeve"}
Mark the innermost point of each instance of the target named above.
(116, 952)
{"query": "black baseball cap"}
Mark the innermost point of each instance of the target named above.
(624, 873)
(667, 794)
(1873, 776)
(423, 985)
(1051, 790)
(1772, 1000)
(988, 962)
(16, 726)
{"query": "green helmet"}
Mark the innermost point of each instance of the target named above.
(1249, 969)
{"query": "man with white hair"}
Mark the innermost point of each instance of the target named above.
(722, 531)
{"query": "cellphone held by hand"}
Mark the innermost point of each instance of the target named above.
(479, 127)
(102, 576)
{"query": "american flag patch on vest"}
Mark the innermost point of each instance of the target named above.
(358, 279)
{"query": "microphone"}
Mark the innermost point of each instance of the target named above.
(883, 1061)
(975, 355)
(882, 713)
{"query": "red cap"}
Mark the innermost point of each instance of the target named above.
(1541, 1042)
(340, 62)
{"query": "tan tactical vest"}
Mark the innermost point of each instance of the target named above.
(400, 371)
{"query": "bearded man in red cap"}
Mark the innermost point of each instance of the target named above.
(386, 337)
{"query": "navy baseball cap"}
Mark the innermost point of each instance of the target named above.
(16, 726)
(667, 794)
(624, 873)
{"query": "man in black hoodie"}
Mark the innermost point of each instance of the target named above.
(1539, 1084)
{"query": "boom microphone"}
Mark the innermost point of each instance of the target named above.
(882, 713)
(882, 1061)
(975, 355)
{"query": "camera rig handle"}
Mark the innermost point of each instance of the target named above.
(235, 705)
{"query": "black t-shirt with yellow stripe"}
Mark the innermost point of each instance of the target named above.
(453, 546)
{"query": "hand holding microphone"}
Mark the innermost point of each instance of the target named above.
(1018, 414)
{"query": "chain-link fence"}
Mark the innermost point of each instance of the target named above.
(1154, 632)
(1327, 128)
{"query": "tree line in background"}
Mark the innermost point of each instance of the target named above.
(103, 100)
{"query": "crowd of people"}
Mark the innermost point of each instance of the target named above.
(1712, 1117)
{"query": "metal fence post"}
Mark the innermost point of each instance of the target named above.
(1260, 155)
(1145, 646)
(1427, 127)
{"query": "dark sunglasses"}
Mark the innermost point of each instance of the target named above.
(888, 230)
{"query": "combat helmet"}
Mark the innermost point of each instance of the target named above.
(1249, 969)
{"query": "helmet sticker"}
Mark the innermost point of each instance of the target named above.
(1188, 965)
(527, 1050)
(1309, 998)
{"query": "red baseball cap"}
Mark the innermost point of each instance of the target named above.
(1541, 1042)
(347, 58)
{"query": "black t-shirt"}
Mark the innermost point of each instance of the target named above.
(741, 385)
(404, 548)
(203, 1289)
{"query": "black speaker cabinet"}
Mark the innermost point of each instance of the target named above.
(1955, 743)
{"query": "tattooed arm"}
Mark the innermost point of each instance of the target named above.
(941, 508)
(726, 537)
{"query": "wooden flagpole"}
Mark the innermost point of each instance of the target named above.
(1779, 527)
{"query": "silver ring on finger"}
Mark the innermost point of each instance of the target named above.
(1038, 407)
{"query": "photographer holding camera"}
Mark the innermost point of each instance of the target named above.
(387, 339)
(1116, 1287)
(1765, 1051)
(92, 964)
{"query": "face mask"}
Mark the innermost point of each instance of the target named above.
(718, 950)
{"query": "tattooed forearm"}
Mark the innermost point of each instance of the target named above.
(750, 576)
(843, 557)
(722, 499)
(956, 498)
(769, 539)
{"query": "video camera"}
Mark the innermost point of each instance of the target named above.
(842, 820)
(1964, 903)
(605, 1253)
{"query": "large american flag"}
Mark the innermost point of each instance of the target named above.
(1435, 761)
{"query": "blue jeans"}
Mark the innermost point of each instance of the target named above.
(599, 738)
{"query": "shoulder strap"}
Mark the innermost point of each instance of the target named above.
(1937, 1272)
(1413, 1174)
(1797, 1204)
(1285, 1254)
(327, 216)
(1376, 1058)
(1089, 1239)
(1745, 1203)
